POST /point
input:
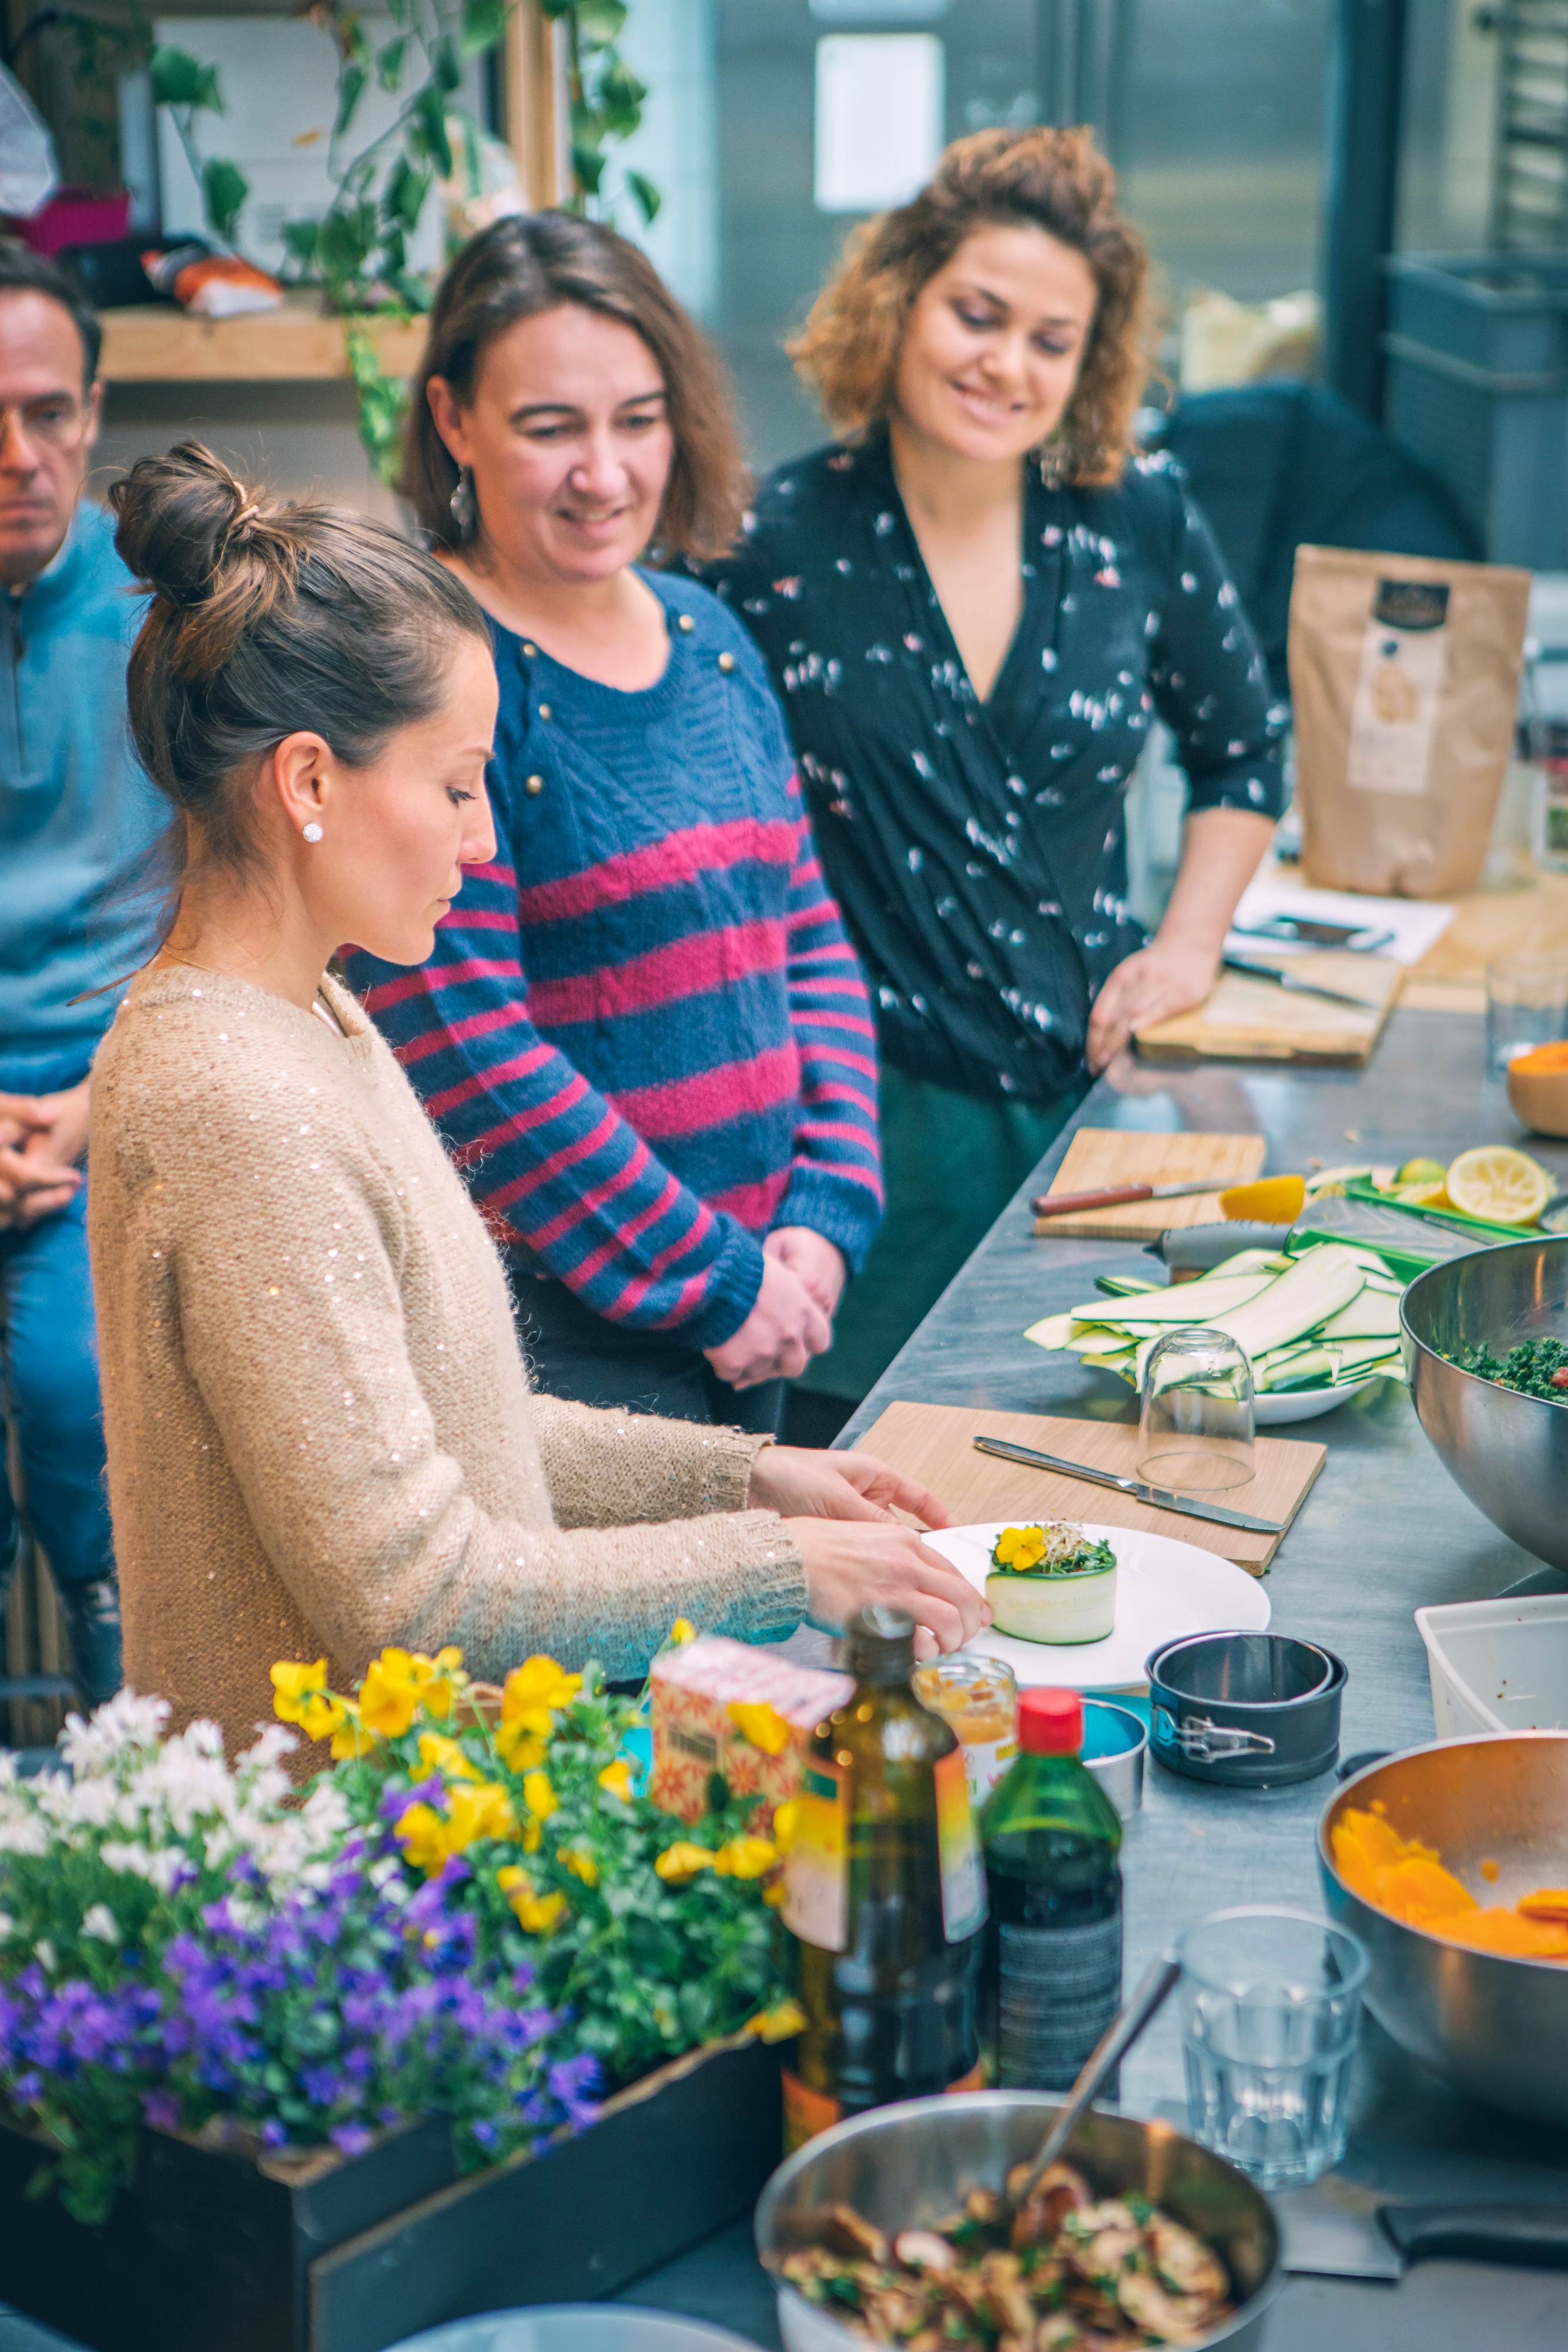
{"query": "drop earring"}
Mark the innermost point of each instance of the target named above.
(312, 832)
(465, 508)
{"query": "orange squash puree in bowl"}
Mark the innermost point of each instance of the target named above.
(1404, 1878)
(1544, 1061)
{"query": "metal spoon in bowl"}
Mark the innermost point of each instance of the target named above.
(1112, 2046)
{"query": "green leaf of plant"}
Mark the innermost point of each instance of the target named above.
(445, 67)
(351, 90)
(427, 133)
(180, 79)
(299, 240)
(224, 191)
(645, 197)
(484, 22)
(587, 167)
(389, 63)
(599, 22)
(403, 200)
(346, 239)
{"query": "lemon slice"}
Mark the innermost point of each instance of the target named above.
(1497, 1182)
(1420, 1171)
(1430, 1193)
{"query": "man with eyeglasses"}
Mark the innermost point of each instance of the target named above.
(79, 899)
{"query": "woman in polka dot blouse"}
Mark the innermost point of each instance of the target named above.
(974, 601)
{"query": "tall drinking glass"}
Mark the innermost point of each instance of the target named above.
(1194, 1418)
(1527, 1004)
(1271, 2003)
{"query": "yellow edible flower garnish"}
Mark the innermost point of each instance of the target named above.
(616, 1779)
(746, 1857)
(1020, 1548)
(682, 1632)
(294, 1681)
(681, 1861)
(390, 1695)
(581, 1866)
(536, 1914)
(761, 1724)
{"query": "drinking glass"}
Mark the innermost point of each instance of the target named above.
(1271, 2015)
(1194, 1418)
(1527, 1006)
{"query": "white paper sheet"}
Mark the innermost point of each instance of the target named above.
(1415, 923)
(879, 118)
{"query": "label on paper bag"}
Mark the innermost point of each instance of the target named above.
(958, 1850)
(1399, 689)
(816, 1868)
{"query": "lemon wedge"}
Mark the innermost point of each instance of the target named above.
(1420, 1171)
(1430, 1192)
(1496, 1181)
(1272, 1200)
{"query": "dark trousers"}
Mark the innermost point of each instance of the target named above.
(572, 1352)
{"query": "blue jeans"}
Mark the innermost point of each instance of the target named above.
(49, 1397)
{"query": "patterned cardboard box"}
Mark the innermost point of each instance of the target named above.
(695, 1734)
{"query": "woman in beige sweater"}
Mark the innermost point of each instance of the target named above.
(321, 1434)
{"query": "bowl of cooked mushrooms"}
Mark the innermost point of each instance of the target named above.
(898, 2227)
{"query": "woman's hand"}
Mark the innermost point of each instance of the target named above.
(818, 1261)
(783, 1331)
(849, 1567)
(1169, 976)
(799, 1481)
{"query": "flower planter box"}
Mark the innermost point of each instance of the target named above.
(217, 2253)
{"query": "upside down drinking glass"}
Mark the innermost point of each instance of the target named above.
(1195, 1420)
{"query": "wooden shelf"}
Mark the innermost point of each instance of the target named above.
(155, 343)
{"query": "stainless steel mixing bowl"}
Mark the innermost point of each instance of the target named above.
(1497, 2027)
(1509, 1452)
(909, 2164)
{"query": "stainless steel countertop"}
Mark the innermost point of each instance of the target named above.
(1383, 1531)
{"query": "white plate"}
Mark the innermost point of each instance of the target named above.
(1269, 1412)
(1163, 1589)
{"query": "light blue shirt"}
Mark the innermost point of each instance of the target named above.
(82, 884)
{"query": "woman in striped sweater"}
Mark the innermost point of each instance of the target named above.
(642, 1032)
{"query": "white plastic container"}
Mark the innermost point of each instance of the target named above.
(1497, 1665)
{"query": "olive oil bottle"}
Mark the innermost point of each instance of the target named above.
(1052, 1980)
(884, 1896)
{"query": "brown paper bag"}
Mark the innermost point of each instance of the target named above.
(1404, 677)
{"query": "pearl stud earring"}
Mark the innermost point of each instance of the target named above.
(312, 832)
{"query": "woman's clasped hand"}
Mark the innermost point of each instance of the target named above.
(792, 1321)
(839, 1509)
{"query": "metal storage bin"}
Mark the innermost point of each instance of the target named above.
(1478, 390)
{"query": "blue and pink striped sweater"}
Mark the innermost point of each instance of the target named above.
(642, 1032)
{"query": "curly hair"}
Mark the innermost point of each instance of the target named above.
(1041, 178)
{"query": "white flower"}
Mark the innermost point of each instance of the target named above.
(123, 1724)
(100, 1921)
(8, 1925)
(25, 1833)
(44, 1953)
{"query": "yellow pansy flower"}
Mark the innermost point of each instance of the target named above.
(352, 1739)
(581, 1866)
(439, 1754)
(760, 1724)
(536, 1914)
(534, 1693)
(423, 1836)
(435, 1679)
(538, 1796)
(390, 1695)
(681, 1861)
(785, 1818)
(1020, 1548)
(516, 1746)
(746, 1857)
(780, 2023)
(321, 1715)
(293, 1682)
(616, 1779)
(682, 1632)
(477, 1810)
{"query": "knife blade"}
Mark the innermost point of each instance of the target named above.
(1160, 1498)
(1292, 982)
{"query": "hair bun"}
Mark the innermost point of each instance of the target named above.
(177, 517)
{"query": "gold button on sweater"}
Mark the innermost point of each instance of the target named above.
(321, 1435)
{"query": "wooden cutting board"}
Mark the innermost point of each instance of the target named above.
(1252, 1020)
(1451, 977)
(934, 1442)
(1103, 1156)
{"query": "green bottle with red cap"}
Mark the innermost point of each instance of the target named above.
(1051, 1972)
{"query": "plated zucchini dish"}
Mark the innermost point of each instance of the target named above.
(1320, 1320)
(1050, 1583)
